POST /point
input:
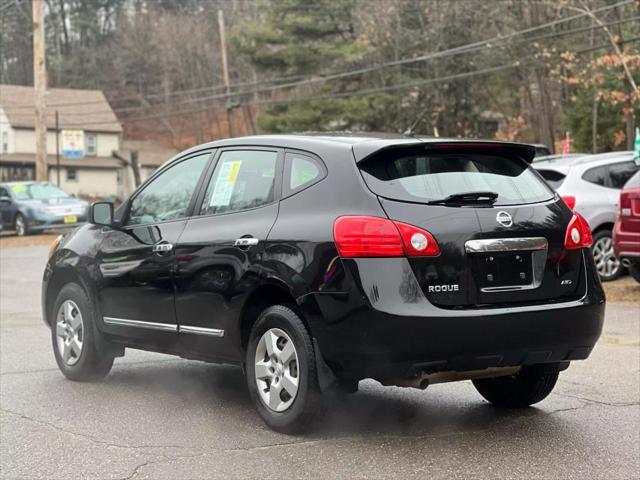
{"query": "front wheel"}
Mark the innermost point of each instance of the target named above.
(75, 337)
(530, 385)
(21, 225)
(281, 370)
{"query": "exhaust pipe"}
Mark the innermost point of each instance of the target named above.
(626, 262)
(423, 380)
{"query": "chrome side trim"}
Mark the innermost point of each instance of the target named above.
(125, 322)
(506, 244)
(214, 332)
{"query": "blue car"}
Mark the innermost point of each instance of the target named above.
(29, 207)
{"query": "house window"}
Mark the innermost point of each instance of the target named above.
(91, 140)
(72, 174)
(5, 142)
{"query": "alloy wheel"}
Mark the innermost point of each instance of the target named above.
(20, 226)
(69, 332)
(606, 261)
(276, 370)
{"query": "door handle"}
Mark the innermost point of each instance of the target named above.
(245, 242)
(162, 247)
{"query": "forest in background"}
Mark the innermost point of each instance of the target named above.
(527, 70)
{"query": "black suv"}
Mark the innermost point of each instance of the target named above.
(317, 261)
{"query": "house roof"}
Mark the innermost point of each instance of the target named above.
(84, 109)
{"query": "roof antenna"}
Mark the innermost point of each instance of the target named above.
(409, 131)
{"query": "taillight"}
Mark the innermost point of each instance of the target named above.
(417, 242)
(359, 236)
(578, 233)
(570, 200)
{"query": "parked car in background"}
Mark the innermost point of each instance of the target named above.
(29, 207)
(591, 186)
(318, 261)
(558, 156)
(626, 233)
(542, 150)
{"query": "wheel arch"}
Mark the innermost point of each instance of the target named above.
(58, 279)
(262, 297)
(606, 226)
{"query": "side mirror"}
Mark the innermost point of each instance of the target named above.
(5, 200)
(101, 213)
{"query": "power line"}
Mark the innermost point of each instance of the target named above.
(368, 91)
(273, 88)
(468, 48)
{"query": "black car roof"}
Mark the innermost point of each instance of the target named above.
(362, 144)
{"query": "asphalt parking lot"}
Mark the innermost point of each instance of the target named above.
(157, 416)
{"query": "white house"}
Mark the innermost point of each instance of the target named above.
(95, 172)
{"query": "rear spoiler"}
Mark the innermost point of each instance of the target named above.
(362, 151)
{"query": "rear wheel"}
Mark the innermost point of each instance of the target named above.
(75, 337)
(281, 370)
(608, 265)
(529, 386)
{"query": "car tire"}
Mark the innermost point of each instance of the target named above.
(75, 337)
(609, 267)
(529, 386)
(20, 225)
(283, 381)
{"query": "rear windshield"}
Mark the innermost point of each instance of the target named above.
(426, 176)
(552, 177)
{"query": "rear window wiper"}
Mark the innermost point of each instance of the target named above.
(467, 198)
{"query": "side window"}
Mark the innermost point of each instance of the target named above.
(596, 175)
(168, 195)
(620, 173)
(3, 192)
(302, 171)
(242, 179)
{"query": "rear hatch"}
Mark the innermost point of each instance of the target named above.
(629, 209)
(500, 228)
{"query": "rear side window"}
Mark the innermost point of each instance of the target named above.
(243, 179)
(597, 175)
(552, 177)
(301, 171)
(620, 173)
(634, 182)
(427, 176)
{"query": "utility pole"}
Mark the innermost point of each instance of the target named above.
(225, 69)
(57, 147)
(40, 89)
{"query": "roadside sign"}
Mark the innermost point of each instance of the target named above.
(72, 143)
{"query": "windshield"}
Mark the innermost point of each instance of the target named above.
(425, 177)
(37, 191)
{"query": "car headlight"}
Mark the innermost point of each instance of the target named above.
(54, 245)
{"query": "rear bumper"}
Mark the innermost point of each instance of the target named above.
(625, 243)
(362, 338)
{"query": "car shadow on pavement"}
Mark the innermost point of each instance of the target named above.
(198, 387)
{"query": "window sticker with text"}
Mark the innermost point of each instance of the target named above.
(225, 183)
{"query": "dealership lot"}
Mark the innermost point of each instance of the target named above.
(157, 416)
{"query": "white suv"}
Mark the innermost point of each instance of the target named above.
(591, 185)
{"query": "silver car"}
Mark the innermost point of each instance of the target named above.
(591, 185)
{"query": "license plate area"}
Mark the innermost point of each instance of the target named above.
(504, 264)
(70, 219)
(500, 270)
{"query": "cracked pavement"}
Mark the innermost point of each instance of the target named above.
(157, 416)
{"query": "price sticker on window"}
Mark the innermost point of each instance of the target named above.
(225, 184)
